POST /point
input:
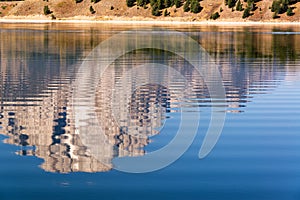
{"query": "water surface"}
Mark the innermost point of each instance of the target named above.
(256, 157)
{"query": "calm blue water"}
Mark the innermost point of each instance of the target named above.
(42, 156)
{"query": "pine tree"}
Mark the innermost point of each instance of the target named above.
(246, 12)
(142, 2)
(231, 3)
(160, 4)
(155, 10)
(92, 10)
(152, 2)
(251, 5)
(215, 16)
(239, 6)
(177, 3)
(186, 6)
(195, 6)
(289, 12)
(275, 6)
(167, 3)
(47, 11)
(130, 3)
(166, 13)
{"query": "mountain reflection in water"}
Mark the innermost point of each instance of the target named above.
(38, 66)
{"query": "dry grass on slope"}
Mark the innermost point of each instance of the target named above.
(111, 9)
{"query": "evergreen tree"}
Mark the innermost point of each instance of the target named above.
(92, 10)
(251, 5)
(47, 11)
(155, 10)
(275, 6)
(281, 6)
(152, 2)
(142, 2)
(246, 12)
(215, 16)
(167, 3)
(275, 15)
(186, 6)
(195, 6)
(289, 12)
(177, 3)
(231, 3)
(160, 4)
(239, 6)
(166, 13)
(130, 3)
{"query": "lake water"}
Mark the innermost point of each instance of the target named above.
(139, 102)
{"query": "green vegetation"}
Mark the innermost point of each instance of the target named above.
(155, 10)
(177, 3)
(282, 6)
(186, 7)
(251, 6)
(130, 3)
(167, 3)
(230, 3)
(239, 6)
(275, 15)
(215, 16)
(246, 13)
(195, 6)
(159, 5)
(289, 12)
(47, 11)
(279, 7)
(92, 10)
(166, 13)
(141, 3)
(166, 7)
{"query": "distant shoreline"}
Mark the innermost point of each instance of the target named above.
(118, 12)
(120, 20)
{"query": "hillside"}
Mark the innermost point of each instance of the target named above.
(118, 10)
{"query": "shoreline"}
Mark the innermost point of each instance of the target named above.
(139, 21)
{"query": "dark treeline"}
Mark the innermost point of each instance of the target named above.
(282, 6)
(278, 6)
(159, 5)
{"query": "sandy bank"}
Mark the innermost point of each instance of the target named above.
(138, 20)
